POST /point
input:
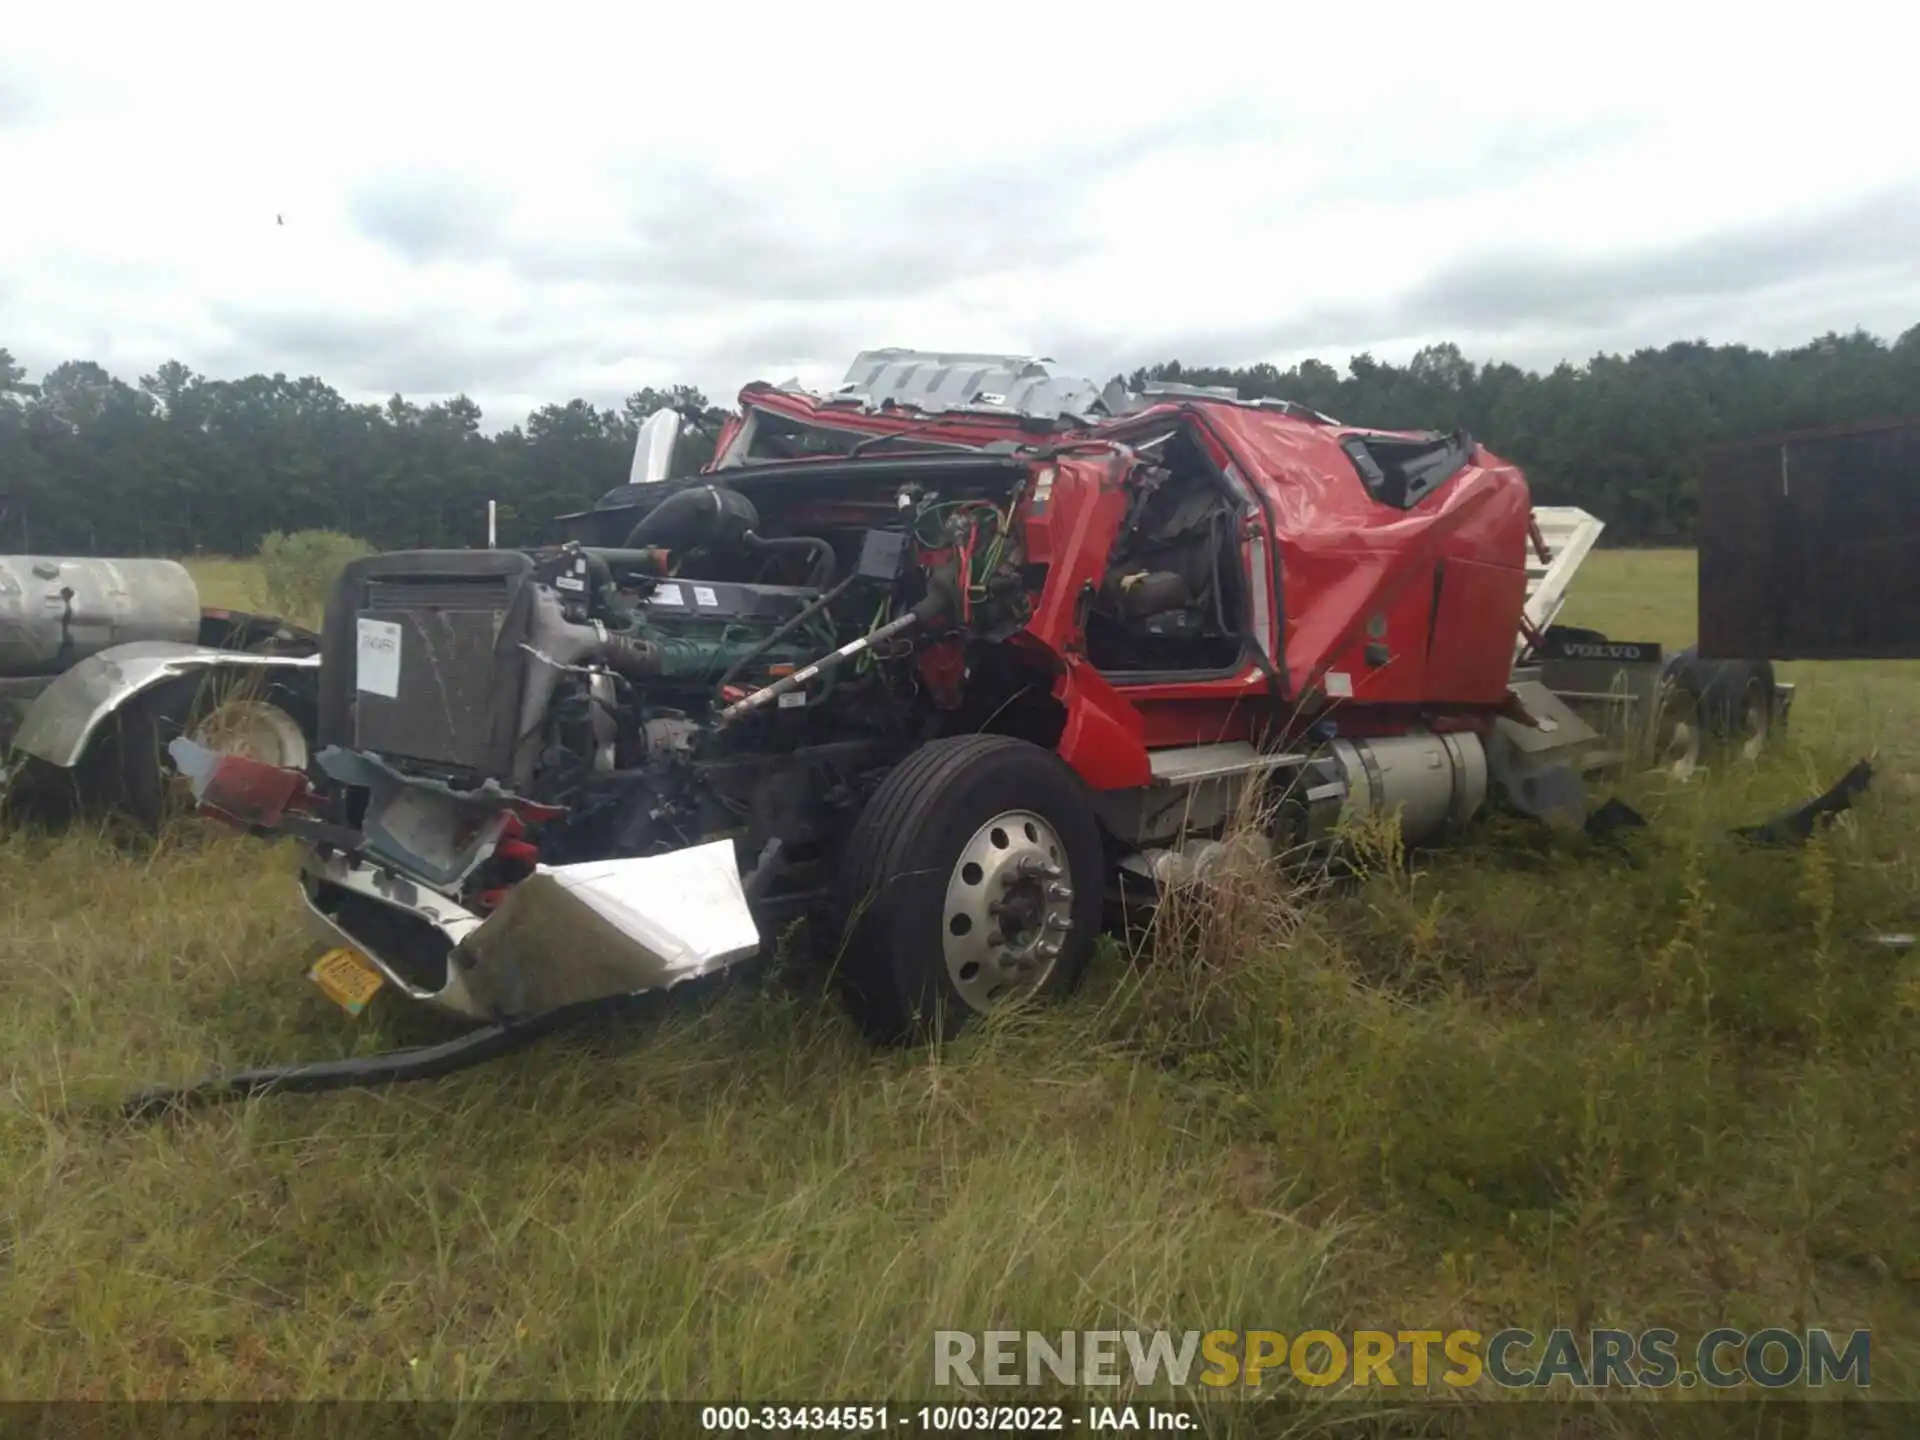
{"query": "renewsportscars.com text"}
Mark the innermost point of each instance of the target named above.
(1772, 1358)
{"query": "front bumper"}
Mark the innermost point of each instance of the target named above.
(564, 936)
(331, 884)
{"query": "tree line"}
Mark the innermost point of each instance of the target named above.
(183, 464)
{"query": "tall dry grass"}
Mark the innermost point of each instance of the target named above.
(1530, 1081)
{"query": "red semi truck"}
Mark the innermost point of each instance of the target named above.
(935, 662)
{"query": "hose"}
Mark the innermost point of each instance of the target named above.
(792, 624)
(822, 572)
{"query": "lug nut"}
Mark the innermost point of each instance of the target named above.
(1048, 950)
(1057, 891)
(1059, 923)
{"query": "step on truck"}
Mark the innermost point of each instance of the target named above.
(934, 662)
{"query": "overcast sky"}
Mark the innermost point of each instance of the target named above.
(535, 202)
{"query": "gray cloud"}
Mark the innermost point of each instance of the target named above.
(552, 354)
(712, 282)
(430, 215)
(1508, 157)
(693, 238)
(1873, 231)
(778, 347)
(1553, 298)
(432, 351)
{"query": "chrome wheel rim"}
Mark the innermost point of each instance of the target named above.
(1677, 744)
(1680, 755)
(256, 730)
(1008, 910)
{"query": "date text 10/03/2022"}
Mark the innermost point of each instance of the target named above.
(943, 1419)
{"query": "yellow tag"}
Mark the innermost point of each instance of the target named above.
(347, 978)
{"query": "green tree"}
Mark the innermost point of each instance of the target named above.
(181, 463)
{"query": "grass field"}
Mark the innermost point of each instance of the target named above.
(1533, 1082)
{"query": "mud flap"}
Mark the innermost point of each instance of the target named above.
(1535, 764)
(1796, 826)
(1614, 817)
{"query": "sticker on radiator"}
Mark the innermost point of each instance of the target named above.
(704, 596)
(1339, 685)
(792, 700)
(667, 595)
(377, 659)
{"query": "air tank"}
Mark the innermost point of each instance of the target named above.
(56, 610)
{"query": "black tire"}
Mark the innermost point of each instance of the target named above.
(911, 843)
(1573, 635)
(127, 772)
(36, 794)
(1735, 700)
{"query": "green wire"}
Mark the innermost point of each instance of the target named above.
(866, 656)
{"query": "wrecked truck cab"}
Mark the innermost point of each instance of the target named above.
(942, 690)
(920, 699)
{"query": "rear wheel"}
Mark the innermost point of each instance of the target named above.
(1731, 703)
(972, 879)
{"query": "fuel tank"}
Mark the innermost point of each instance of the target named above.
(56, 610)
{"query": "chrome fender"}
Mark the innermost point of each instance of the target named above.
(62, 720)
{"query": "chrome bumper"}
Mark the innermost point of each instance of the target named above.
(371, 882)
(564, 936)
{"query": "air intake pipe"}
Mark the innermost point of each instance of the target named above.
(703, 515)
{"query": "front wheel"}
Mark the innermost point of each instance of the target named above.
(973, 878)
